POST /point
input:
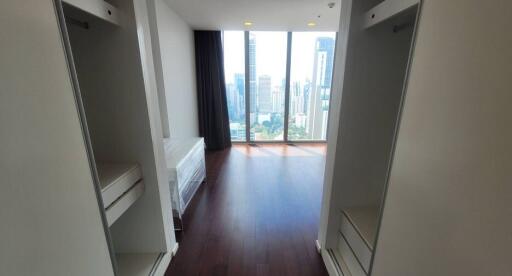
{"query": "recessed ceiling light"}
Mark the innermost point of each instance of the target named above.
(311, 24)
(247, 23)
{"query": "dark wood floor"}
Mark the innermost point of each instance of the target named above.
(257, 215)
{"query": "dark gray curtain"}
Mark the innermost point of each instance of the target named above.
(211, 90)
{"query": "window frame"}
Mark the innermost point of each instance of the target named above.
(286, 95)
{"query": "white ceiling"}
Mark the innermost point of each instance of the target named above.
(267, 15)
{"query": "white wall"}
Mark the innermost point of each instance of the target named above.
(449, 204)
(174, 44)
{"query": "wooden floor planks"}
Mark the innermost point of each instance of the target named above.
(257, 215)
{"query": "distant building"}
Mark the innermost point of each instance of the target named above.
(252, 75)
(231, 94)
(264, 94)
(300, 120)
(306, 91)
(320, 88)
(277, 99)
(237, 131)
(240, 104)
(262, 117)
(325, 49)
(298, 102)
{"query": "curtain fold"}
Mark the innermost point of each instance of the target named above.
(211, 90)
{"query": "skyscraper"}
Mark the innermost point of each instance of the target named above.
(231, 99)
(240, 87)
(297, 99)
(264, 94)
(320, 86)
(306, 91)
(252, 74)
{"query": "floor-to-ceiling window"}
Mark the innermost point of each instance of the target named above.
(278, 84)
(311, 67)
(234, 70)
(267, 81)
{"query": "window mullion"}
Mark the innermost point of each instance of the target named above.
(287, 86)
(247, 88)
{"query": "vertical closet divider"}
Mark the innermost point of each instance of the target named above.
(107, 70)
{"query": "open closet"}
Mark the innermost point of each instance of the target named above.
(379, 39)
(105, 63)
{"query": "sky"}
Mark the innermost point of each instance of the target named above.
(271, 54)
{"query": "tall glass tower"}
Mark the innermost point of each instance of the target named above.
(252, 74)
(240, 88)
(321, 88)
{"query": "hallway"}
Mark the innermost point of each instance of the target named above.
(257, 215)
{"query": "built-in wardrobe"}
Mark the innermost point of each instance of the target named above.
(379, 41)
(96, 200)
(417, 178)
(105, 64)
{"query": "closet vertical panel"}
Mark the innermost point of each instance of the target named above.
(371, 99)
(148, 60)
(141, 228)
(372, 83)
(327, 233)
(110, 73)
(372, 89)
(448, 204)
(50, 219)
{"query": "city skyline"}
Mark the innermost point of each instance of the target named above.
(309, 93)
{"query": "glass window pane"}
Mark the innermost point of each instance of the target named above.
(234, 71)
(267, 78)
(310, 84)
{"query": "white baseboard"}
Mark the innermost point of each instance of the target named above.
(164, 261)
(175, 249)
(334, 263)
(318, 246)
(330, 263)
(161, 266)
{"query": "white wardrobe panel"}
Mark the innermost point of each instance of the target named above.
(136, 264)
(123, 203)
(50, 218)
(386, 10)
(348, 258)
(99, 8)
(359, 227)
(371, 89)
(448, 205)
(148, 61)
(116, 179)
(117, 107)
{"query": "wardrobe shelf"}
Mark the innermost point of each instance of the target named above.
(116, 179)
(121, 185)
(386, 10)
(348, 258)
(98, 8)
(365, 220)
(358, 229)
